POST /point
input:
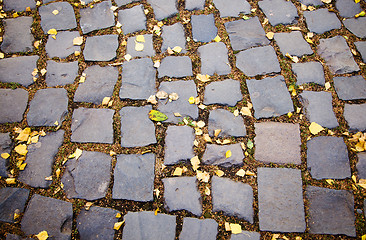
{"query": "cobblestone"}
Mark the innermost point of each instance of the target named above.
(63, 45)
(12, 104)
(61, 73)
(216, 155)
(132, 19)
(12, 200)
(309, 72)
(350, 88)
(226, 122)
(197, 229)
(321, 21)
(17, 36)
(226, 92)
(18, 69)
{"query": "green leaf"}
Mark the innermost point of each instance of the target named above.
(157, 116)
(245, 17)
(250, 144)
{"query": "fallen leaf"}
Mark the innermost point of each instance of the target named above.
(361, 14)
(118, 225)
(191, 100)
(203, 176)
(162, 95)
(28, 9)
(21, 149)
(157, 192)
(246, 17)
(207, 191)
(363, 236)
(24, 135)
(219, 173)
(52, 31)
(198, 131)
(315, 128)
(139, 47)
(160, 24)
(22, 166)
(178, 171)
(140, 38)
(240, 173)
(196, 143)
(246, 111)
(177, 49)
(42, 235)
(298, 238)
(303, 7)
(327, 85)
(203, 78)
(201, 124)
(16, 215)
(330, 181)
(5, 155)
(106, 101)
(236, 112)
(225, 141)
(77, 53)
(55, 12)
(311, 8)
(152, 99)
(118, 215)
(77, 41)
(88, 205)
(217, 132)
(177, 114)
(250, 144)
(207, 138)
(275, 236)
(49, 178)
(217, 38)
(2, 55)
(354, 178)
(195, 162)
(295, 28)
(228, 154)
(157, 116)
(249, 173)
(76, 154)
(227, 227)
(289, 114)
(146, 11)
(118, 24)
(15, 15)
(270, 35)
(157, 64)
(173, 96)
(56, 123)
(156, 211)
(113, 8)
(326, 1)
(10, 181)
(58, 171)
(170, 51)
(235, 228)
(43, 71)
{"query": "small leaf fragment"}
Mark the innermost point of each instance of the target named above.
(5, 155)
(21, 149)
(88, 205)
(157, 192)
(207, 191)
(191, 100)
(203, 78)
(219, 173)
(152, 99)
(42, 235)
(157, 116)
(24, 135)
(330, 181)
(240, 173)
(245, 111)
(55, 12)
(178, 171)
(177, 49)
(118, 215)
(235, 228)
(58, 171)
(106, 101)
(203, 176)
(157, 64)
(327, 85)
(315, 128)
(217, 132)
(140, 38)
(22, 166)
(227, 227)
(10, 181)
(52, 31)
(77, 41)
(118, 225)
(270, 35)
(207, 138)
(139, 47)
(195, 163)
(249, 173)
(217, 38)
(250, 144)
(228, 154)
(76, 154)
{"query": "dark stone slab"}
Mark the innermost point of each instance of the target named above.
(18, 5)
(171, 66)
(96, 18)
(12, 104)
(356, 26)
(361, 165)
(92, 125)
(245, 34)
(132, 19)
(48, 106)
(321, 20)
(40, 159)
(134, 177)
(214, 59)
(124, 2)
(309, 72)
(57, 220)
(18, 69)
(269, 135)
(195, 5)
(198, 229)
(173, 36)
(355, 115)
(225, 92)
(279, 11)
(12, 200)
(178, 144)
(63, 45)
(350, 88)
(270, 97)
(245, 235)
(185, 90)
(87, 177)
(337, 55)
(229, 125)
(330, 211)
(258, 61)
(163, 8)
(318, 108)
(101, 48)
(61, 73)
(361, 48)
(280, 200)
(96, 223)
(13, 237)
(18, 36)
(203, 28)
(293, 43)
(5, 147)
(148, 50)
(216, 155)
(137, 129)
(327, 157)
(312, 2)
(232, 198)
(147, 225)
(347, 8)
(64, 20)
(181, 193)
(233, 9)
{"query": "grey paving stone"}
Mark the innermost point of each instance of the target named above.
(203, 28)
(245, 34)
(92, 125)
(150, 226)
(178, 144)
(321, 20)
(347, 8)
(5, 147)
(312, 2)
(181, 193)
(13, 237)
(245, 235)
(12, 200)
(61, 73)
(12, 104)
(214, 59)
(101, 48)
(198, 229)
(173, 36)
(138, 79)
(280, 195)
(57, 220)
(18, 5)
(361, 165)
(270, 97)
(233, 9)
(163, 8)
(361, 48)
(330, 211)
(327, 157)
(309, 72)
(124, 2)
(132, 19)
(87, 177)
(226, 92)
(269, 135)
(225, 120)
(137, 129)
(318, 108)
(99, 83)
(350, 88)
(293, 43)
(96, 223)
(195, 4)
(185, 90)
(48, 106)
(96, 18)
(64, 20)
(258, 61)
(148, 50)
(63, 45)
(134, 177)
(40, 159)
(355, 115)
(171, 66)
(18, 69)
(18, 36)
(279, 11)
(216, 155)
(232, 198)
(356, 26)
(337, 55)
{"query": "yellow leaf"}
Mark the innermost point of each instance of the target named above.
(195, 163)
(219, 173)
(16, 215)
(363, 236)
(330, 181)
(227, 227)
(15, 15)
(21, 149)
(198, 131)
(76, 154)
(207, 191)
(203, 176)
(2, 55)
(22, 166)
(10, 181)
(236, 112)
(191, 100)
(177, 49)
(357, 1)
(42, 235)
(201, 124)
(298, 238)
(289, 114)
(235, 228)
(118, 215)
(157, 64)
(315, 128)
(118, 225)
(361, 14)
(77, 41)
(77, 53)
(270, 35)
(246, 111)
(88, 205)
(309, 40)
(178, 171)
(240, 173)
(207, 138)
(327, 85)
(106, 101)
(203, 78)
(157, 192)
(5, 155)
(217, 38)
(295, 28)
(249, 173)
(55, 12)
(52, 31)
(156, 211)
(160, 24)
(58, 171)
(140, 38)
(24, 135)
(139, 47)
(28, 9)
(228, 154)
(217, 132)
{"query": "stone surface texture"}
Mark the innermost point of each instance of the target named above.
(18, 5)
(361, 165)
(132, 19)
(203, 28)
(226, 92)
(173, 35)
(101, 48)
(12, 200)
(279, 11)
(18, 36)
(18, 69)
(5, 147)
(233, 9)
(64, 20)
(96, 18)
(355, 115)
(347, 8)
(163, 8)
(61, 73)
(228, 124)
(198, 229)
(214, 59)
(321, 21)
(12, 105)
(361, 48)
(63, 45)
(148, 50)
(293, 43)
(176, 67)
(216, 155)
(356, 26)
(350, 88)
(309, 72)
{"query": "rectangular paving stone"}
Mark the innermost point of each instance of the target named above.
(245, 235)
(198, 229)
(357, 26)
(195, 5)
(216, 155)
(269, 135)
(101, 48)
(148, 50)
(350, 88)
(173, 36)
(280, 200)
(214, 59)
(309, 72)
(5, 147)
(132, 19)
(12, 104)
(17, 35)
(96, 18)
(63, 45)
(361, 165)
(18, 5)
(347, 8)
(293, 43)
(18, 69)
(203, 28)
(361, 48)
(61, 73)
(64, 20)
(226, 92)
(177, 67)
(229, 125)
(355, 115)
(12, 200)
(279, 11)
(163, 8)
(233, 9)
(312, 2)
(124, 2)
(321, 20)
